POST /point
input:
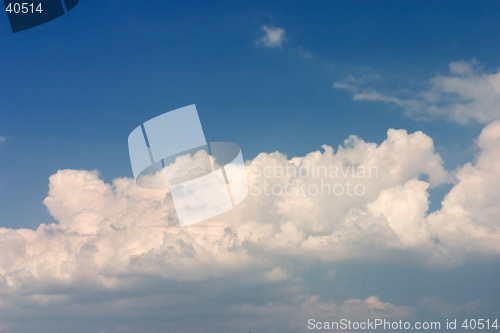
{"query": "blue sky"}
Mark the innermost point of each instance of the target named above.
(73, 89)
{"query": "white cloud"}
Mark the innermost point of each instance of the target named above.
(468, 220)
(106, 232)
(466, 94)
(123, 244)
(2, 139)
(274, 37)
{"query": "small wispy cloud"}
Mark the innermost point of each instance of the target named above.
(467, 93)
(274, 37)
(305, 54)
(2, 139)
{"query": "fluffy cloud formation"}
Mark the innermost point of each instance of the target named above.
(364, 201)
(273, 37)
(466, 94)
(360, 202)
(372, 199)
(468, 220)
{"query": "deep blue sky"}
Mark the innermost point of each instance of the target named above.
(72, 90)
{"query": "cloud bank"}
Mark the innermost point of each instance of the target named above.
(123, 244)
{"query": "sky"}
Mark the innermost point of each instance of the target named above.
(410, 88)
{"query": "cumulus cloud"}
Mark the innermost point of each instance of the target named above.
(467, 93)
(273, 37)
(364, 201)
(468, 220)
